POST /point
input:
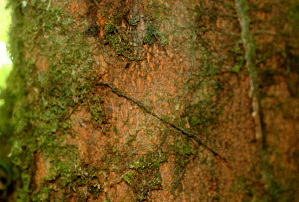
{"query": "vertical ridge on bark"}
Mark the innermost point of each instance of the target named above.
(249, 46)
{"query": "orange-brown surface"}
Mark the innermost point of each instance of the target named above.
(191, 82)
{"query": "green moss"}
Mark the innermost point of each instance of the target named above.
(133, 21)
(151, 33)
(183, 150)
(116, 38)
(128, 176)
(146, 175)
(110, 28)
(238, 54)
(94, 103)
(42, 100)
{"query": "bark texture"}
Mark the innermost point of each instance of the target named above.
(147, 100)
(249, 45)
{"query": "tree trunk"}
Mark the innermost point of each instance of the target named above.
(138, 100)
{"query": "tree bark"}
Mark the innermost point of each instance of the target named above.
(132, 100)
(250, 56)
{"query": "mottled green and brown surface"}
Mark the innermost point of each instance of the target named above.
(74, 139)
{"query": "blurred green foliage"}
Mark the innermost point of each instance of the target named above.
(5, 20)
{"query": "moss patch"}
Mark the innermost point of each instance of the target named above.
(45, 98)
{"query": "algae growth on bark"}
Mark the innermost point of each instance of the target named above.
(131, 101)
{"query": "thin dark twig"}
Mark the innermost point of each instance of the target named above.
(201, 140)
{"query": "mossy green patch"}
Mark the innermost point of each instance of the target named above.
(152, 33)
(146, 174)
(117, 38)
(42, 100)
